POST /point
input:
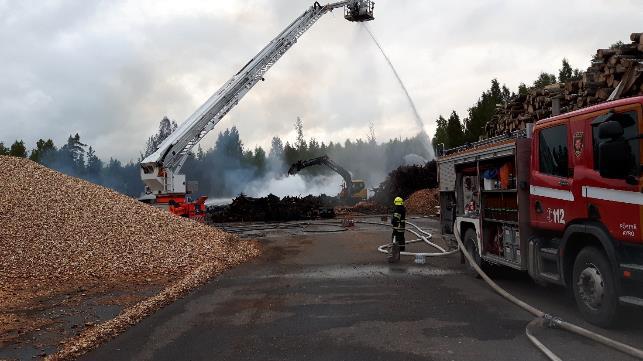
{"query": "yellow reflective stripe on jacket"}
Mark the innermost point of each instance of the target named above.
(401, 223)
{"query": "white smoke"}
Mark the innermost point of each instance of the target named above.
(295, 185)
(414, 159)
(218, 201)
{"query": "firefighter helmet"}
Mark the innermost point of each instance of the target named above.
(398, 201)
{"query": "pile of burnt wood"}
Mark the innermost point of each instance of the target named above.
(273, 209)
(614, 74)
(404, 181)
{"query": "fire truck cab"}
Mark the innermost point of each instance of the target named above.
(561, 199)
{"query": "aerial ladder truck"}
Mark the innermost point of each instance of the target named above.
(165, 186)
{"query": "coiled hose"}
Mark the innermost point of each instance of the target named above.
(548, 320)
(542, 319)
(423, 236)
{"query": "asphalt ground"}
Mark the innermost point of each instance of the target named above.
(319, 294)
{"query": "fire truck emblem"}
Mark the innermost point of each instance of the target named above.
(578, 144)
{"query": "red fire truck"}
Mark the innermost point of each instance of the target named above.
(561, 199)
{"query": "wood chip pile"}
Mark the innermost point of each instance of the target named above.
(618, 71)
(423, 202)
(59, 233)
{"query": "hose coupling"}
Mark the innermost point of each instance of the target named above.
(552, 321)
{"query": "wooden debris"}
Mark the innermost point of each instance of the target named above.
(617, 71)
(273, 209)
(423, 202)
(368, 207)
(60, 233)
(405, 180)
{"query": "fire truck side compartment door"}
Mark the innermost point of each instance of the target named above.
(551, 196)
(618, 205)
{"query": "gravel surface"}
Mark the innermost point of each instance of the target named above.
(60, 233)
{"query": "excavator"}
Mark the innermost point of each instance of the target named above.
(165, 186)
(353, 190)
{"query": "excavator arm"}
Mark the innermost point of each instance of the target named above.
(324, 160)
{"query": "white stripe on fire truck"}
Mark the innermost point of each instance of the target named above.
(551, 193)
(613, 195)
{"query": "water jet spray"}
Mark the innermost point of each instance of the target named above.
(424, 137)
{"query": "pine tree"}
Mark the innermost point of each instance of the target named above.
(290, 154)
(72, 155)
(259, 161)
(3, 150)
(276, 149)
(18, 149)
(495, 90)
(506, 94)
(313, 148)
(300, 143)
(454, 131)
(229, 146)
(440, 139)
(544, 79)
(94, 165)
(44, 151)
(482, 111)
(166, 127)
(566, 72)
(370, 137)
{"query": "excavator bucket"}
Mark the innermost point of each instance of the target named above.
(359, 10)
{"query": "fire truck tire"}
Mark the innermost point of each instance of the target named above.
(594, 287)
(471, 244)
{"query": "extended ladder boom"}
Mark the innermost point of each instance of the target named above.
(160, 170)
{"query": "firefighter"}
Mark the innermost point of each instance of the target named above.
(399, 222)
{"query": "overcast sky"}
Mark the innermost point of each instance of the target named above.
(110, 70)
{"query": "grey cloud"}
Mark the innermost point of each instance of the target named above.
(93, 68)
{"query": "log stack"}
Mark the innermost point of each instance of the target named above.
(614, 72)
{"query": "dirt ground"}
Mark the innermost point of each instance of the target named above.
(319, 292)
(37, 327)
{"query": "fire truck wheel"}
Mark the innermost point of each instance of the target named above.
(595, 287)
(471, 245)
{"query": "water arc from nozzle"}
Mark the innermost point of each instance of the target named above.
(424, 137)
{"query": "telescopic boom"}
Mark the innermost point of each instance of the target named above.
(160, 170)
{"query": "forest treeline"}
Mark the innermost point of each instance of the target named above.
(453, 131)
(226, 168)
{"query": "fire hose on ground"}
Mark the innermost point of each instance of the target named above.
(542, 319)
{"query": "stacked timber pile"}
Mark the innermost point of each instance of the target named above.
(273, 209)
(424, 202)
(405, 180)
(614, 72)
(59, 234)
